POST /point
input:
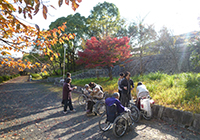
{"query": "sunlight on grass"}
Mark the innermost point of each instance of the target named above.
(178, 91)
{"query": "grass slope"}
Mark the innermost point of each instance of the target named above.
(178, 91)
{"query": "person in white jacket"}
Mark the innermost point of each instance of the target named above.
(141, 90)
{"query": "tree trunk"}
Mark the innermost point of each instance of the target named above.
(73, 59)
(141, 62)
(61, 67)
(68, 69)
(110, 73)
(97, 74)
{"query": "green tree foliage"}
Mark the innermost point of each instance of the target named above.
(76, 24)
(195, 56)
(104, 20)
(130, 30)
(142, 37)
(167, 45)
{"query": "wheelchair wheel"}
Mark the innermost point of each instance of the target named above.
(120, 126)
(130, 105)
(144, 114)
(135, 113)
(104, 125)
(82, 99)
(100, 107)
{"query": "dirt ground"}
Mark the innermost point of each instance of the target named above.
(32, 111)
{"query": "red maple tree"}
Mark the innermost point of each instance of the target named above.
(105, 53)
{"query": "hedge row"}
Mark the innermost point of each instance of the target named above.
(8, 77)
(40, 75)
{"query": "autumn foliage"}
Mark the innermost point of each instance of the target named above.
(16, 36)
(105, 53)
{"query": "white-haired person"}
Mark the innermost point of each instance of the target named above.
(111, 113)
(87, 90)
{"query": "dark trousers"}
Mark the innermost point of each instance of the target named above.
(68, 103)
(90, 105)
(138, 103)
(124, 100)
(120, 94)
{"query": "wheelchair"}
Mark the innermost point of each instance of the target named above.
(145, 104)
(82, 98)
(99, 106)
(119, 122)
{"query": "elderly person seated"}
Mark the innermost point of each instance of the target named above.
(111, 112)
(96, 94)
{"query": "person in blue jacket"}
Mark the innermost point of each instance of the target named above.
(111, 112)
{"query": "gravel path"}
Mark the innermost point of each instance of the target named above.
(32, 111)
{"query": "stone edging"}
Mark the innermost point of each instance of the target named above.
(182, 118)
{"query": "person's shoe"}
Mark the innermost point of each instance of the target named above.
(65, 112)
(88, 112)
(73, 110)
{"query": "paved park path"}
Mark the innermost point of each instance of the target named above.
(32, 111)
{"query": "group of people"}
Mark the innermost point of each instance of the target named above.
(125, 85)
(95, 92)
(123, 96)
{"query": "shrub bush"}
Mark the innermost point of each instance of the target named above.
(1, 79)
(6, 77)
(36, 75)
(193, 80)
(155, 76)
(45, 76)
